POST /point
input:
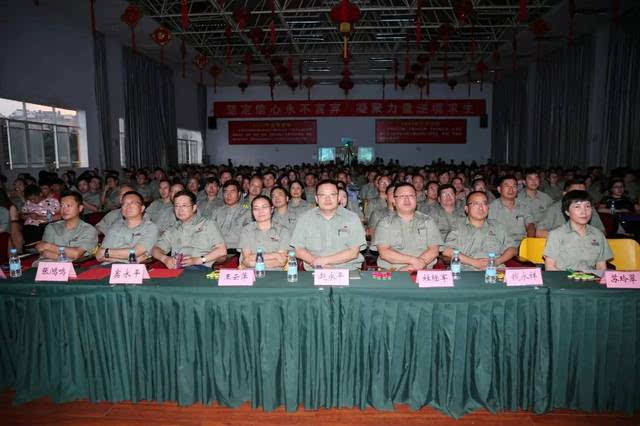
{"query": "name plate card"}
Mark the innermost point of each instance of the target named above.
(128, 273)
(433, 279)
(331, 277)
(515, 277)
(622, 279)
(236, 277)
(55, 271)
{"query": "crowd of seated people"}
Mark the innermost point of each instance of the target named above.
(404, 218)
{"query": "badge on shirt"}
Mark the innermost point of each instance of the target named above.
(345, 229)
(595, 243)
(275, 238)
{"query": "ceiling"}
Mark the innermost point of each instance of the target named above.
(384, 35)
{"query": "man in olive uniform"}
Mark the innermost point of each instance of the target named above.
(135, 232)
(509, 212)
(536, 201)
(114, 215)
(231, 217)
(446, 214)
(407, 240)
(378, 202)
(328, 236)
(211, 201)
(163, 202)
(76, 236)
(167, 216)
(475, 237)
(195, 237)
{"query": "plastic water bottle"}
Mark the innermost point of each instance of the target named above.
(292, 267)
(49, 216)
(15, 267)
(490, 272)
(260, 273)
(62, 256)
(455, 265)
(132, 256)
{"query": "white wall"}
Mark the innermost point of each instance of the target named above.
(362, 130)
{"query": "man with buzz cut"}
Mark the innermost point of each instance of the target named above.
(407, 240)
(114, 215)
(328, 236)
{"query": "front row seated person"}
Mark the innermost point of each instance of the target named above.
(76, 236)
(476, 236)
(407, 240)
(576, 245)
(114, 215)
(135, 232)
(272, 237)
(328, 236)
(195, 237)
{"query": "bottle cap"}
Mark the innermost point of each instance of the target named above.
(13, 251)
(456, 251)
(492, 255)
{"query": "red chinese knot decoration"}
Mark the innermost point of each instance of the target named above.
(463, 10)
(539, 28)
(241, 16)
(481, 68)
(131, 16)
(184, 14)
(215, 71)
(161, 36)
(345, 14)
(201, 62)
(308, 83)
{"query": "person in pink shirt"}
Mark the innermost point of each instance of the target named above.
(38, 210)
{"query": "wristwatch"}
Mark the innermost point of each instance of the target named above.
(203, 259)
(106, 253)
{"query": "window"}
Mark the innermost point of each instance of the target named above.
(121, 136)
(189, 147)
(42, 136)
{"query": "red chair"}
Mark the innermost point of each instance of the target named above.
(232, 261)
(93, 218)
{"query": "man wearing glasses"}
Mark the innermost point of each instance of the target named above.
(475, 237)
(328, 236)
(194, 237)
(407, 240)
(136, 232)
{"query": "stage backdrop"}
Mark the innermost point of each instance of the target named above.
(448, 121)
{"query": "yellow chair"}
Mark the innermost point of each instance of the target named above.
(626, 254)
(531, 250)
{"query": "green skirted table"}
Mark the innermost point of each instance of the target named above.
(374, 343)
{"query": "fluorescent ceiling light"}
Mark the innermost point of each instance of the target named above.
(319, 69)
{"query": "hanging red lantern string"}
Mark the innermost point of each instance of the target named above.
(539, 28)
(228, 33)
(419, 22)
(201, 62)
(241, 15)
(243, 86)
(272, 82)
(615, 11)
(383, 85)
(473, 42)
(293, 85)
(428, 81)
(345, 15)
(308, 83)
(445, 32)
(514, 57)
(161, 36)
(523, 14)
(469, 83)
(93, 15)
(407, 62)
(257, 36)
(215, 71)
(183, 53)
(481, 68)
(300, 69)
(572, 13)
(184, 14)
(395, 72)
(463, 10)
(433, 48)
(248, 60)
(290, 65)
(421, 82)
(131, 16)
(346, 84)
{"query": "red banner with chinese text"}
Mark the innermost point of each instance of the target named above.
(272, 132)
(351, 108)
(421, 131)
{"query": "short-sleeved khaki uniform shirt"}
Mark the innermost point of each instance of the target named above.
(83, 235)
(478, 242)
(274, 239)
(570, 250)
(514, 221)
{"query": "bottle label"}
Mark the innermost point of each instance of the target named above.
(292, 270)
(491, 272)
(455, 268)
(259, 266)
(14, 266)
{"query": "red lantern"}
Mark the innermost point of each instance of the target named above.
(445, 31)
(131, 16)
(423, 59)
(257, 36)
(419, 22)
(184, 14)
(539, 28)
(272, 82)
(241, 16)
(433, 48)
(272, 24)
(463, 10)
(201, 62)
(183, 53)
(308, 83)
(161, 36)
(481, 67)
(452, 83)
(523, 15)
(496, 61)
(345, 15)
(292, 84)
(615, 10)
(346, 84)
(421, 82)
(93, 15)
(403, 83)
(215, 72)
(395, 73)
(243, 86)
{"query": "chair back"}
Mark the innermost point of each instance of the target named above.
(4, 247)
(531, 249)
(626, 254)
